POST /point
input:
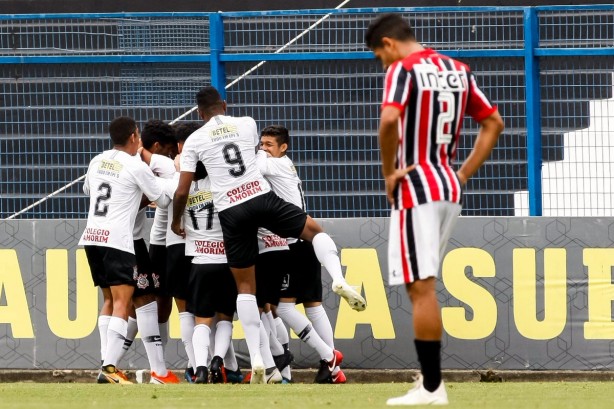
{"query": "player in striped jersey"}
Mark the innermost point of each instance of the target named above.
(426, 96)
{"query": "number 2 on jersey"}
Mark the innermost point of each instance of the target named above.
(102, 208)
(445, 117)
(232, 156)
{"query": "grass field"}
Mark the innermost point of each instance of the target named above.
(542, 395)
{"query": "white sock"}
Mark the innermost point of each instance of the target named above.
(201, 344)
(282, 331)
(103, 326)
(269, 316)
(247, 311)
(147, 319)
(276, 347)
(265, 349)
(286, 373)
(223, 338)
(211, 344)
(326, 252)
(230, 359)
(130, 335)
(163, 327)
(321, 323)
(116, 332)
(302, 327)
(186, 325)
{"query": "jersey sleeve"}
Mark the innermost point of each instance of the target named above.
(478, 105)
(189, 157)
(396, 86)
(162, 166)
(148, 182)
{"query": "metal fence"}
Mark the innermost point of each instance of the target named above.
(549, 70)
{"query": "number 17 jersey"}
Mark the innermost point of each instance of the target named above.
(227, 147)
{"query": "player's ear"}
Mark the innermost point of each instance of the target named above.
(283, 147)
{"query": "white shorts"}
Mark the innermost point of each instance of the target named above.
(418, 239)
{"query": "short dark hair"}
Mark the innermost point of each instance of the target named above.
(159, 131)
(185, 129)
(280, 133)
(388, 25)
(208, 99)
(121, 128)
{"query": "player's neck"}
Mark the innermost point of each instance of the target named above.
(125, 148)
(208, 117)
(410, 47)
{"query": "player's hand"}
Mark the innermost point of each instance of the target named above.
(177, 229)
(392, 181)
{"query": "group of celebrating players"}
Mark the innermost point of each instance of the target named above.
(230, 235)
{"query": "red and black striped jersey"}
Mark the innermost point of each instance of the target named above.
(433, 93)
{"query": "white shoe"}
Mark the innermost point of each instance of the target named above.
(274, 377)
(356, 301)
(257, 371)
(420, 396)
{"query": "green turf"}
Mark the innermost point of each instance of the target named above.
(555, 395)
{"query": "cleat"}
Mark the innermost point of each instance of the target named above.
(274, 376)
(286, 381)
(162, 380)
(217, 374)
(325, 373)
(339, 377)
(234, 376)
(202, 375)
(258, 371)
(189, 374)
(281, 361)
(110, 374)
(356, 301)
(420, 396)
(247, 378)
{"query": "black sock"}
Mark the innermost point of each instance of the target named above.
(429, 355)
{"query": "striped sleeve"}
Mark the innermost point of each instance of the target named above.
(396, 86)
(478, 105)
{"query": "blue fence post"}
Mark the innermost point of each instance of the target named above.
(216, 41)
(533, 97)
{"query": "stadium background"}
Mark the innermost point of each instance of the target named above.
(549, 69)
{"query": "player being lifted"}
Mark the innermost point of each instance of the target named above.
(426, 96)
(227, 146)
(116, 181)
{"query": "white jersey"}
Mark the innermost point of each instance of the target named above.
(204, 239)
(163, 167)
(115, 182)
(226, 146)
(269, 241)
(170, 237)
(284, 180)
(139, 224)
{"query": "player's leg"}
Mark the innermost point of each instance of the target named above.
(157, 255)
(224, 364)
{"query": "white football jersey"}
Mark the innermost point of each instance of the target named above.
(164, 167)
(115, 182)
(269, 241)
(227, 147)
(204, 239)
(170, 185)
(139, 224)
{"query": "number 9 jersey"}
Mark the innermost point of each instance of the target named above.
(227, 147)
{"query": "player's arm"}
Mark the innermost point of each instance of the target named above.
(490, 129)
(179, 201)
(389, 142)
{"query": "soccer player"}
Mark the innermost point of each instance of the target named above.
(426, 96)
(227, 146)
(303, 279)
(116, 181)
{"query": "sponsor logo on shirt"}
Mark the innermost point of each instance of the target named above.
(273, 240)
(223, 132)
(110, 168)
(209, 247)
(244, 191)
(429, 77)
(96, 235)
(199, 199)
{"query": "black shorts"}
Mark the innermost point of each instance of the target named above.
(157, 255)
(147, 282)
(240, 225)
(110, 266)
(178, 267)
(270, 268)
(304, 280)
(212, 289)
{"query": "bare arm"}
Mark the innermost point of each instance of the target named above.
(388, 142)
(179, 201)
(490, 129)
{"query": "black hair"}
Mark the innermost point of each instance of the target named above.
(121, 128)
(159, 131)
(209, 99)
(185, 129)
(388, 25)
(279, 132)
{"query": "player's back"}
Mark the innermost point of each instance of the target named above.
(282, 175)
(226, 146)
